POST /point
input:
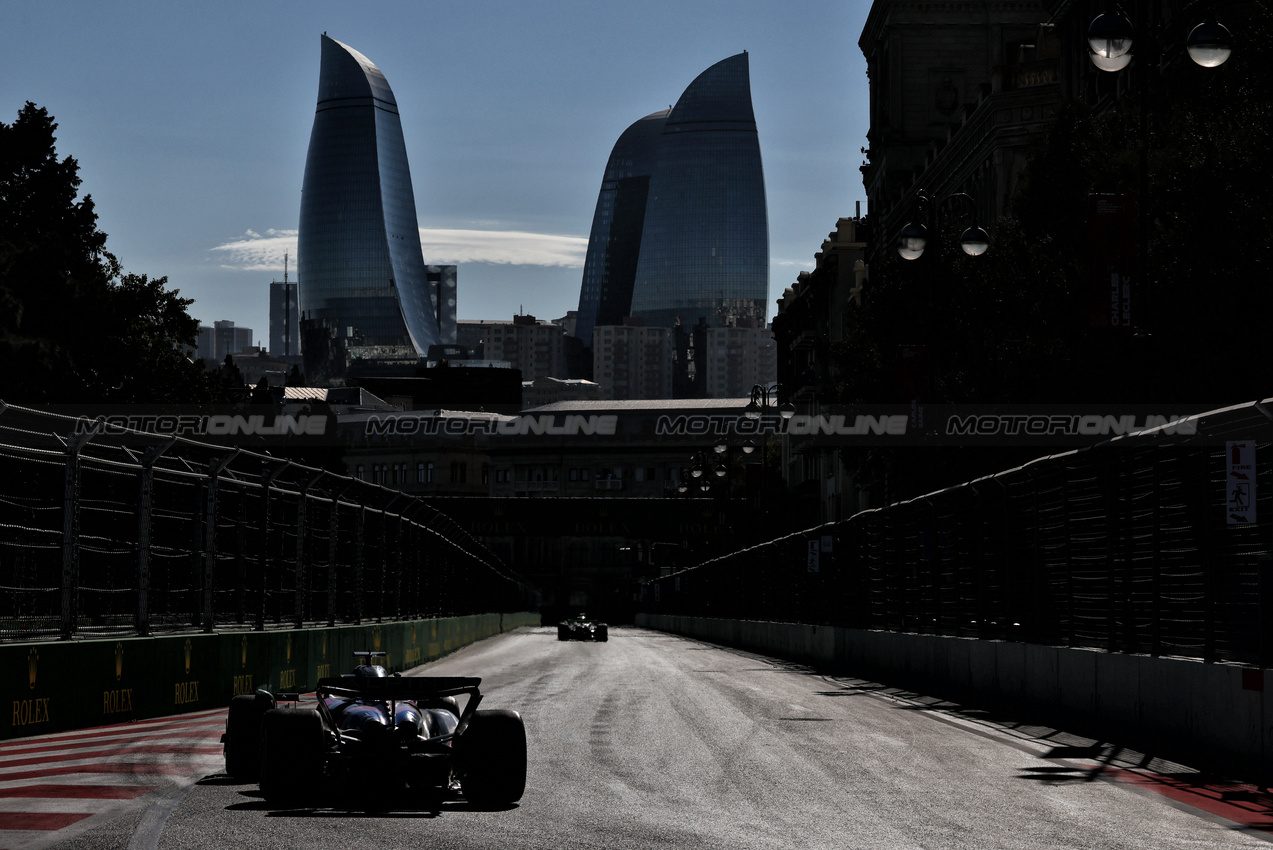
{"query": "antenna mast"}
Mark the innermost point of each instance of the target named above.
(287, 312)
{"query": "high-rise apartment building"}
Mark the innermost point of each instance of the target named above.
(736, 358)
(360, 270)
(633, 361)
(228, 339)
(681, 232)
(443, 293)
(535, 347)
(285, 327)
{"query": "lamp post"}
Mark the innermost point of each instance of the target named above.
(1111, 37)
(913, 238)
(764, 399)
(912, 242)
(1114, 41)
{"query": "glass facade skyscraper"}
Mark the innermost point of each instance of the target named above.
(614, 245)
(359, 264)
(701, 236)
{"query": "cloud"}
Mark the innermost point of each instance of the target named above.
(513, 247)
(264, 252)
(253, 252)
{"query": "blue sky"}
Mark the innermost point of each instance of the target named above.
(191, 121)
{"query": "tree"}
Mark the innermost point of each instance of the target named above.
(72, 329)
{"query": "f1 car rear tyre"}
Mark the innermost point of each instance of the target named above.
(243, 735)
(563, 633)
(292, 750)
(603, 634)
(491, 755)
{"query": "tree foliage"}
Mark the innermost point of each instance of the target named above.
(73, 326)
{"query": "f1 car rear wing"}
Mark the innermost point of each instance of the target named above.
(392, 688)
(397, 687)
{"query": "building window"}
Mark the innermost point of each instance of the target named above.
(361, 473)
(428, 473)
(459, 472)
(486, 473)
(419, 473)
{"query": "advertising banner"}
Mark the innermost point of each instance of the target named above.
(1112, 236)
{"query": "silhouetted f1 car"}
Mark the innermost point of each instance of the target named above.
(582, 628)
(374, 731)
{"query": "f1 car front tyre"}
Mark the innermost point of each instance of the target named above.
(602, 634)
(243, 735)
(563, 633)
(491, 755)
(292, 750)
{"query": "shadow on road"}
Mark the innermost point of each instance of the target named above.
(328, 805)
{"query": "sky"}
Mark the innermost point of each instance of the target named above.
(190, 123)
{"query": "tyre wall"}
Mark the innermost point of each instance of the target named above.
(50, 687)
(1204, 714)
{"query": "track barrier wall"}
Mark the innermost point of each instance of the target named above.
(1200, 713)
(56, 686)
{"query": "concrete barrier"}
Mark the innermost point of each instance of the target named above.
(55, 686)
(1203, 714)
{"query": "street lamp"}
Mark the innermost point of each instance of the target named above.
(1111, 35)
(765, 397)
(1209, 43)
(1110, 38)
(913, 238)
(692, 481)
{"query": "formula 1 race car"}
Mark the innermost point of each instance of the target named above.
(368, 730)
(582, 628)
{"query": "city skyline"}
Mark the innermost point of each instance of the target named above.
(190, 128)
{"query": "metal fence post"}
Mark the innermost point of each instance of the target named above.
(144, 504)
(263, 557)
(263, 554)
(240, 562)
(71, 531)
(210, 539)
(384, 565)
(332, 550)
(359, 554)
(1208, 574)
(301, 504)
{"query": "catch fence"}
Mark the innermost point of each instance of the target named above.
(106, 531)
(1127, 546)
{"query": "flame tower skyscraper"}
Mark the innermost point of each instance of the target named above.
(681, 228)
(360, 269)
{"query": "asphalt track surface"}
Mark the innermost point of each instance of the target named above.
(653, 740)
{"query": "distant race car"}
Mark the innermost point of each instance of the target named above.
(582, 628)
(379, 733)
